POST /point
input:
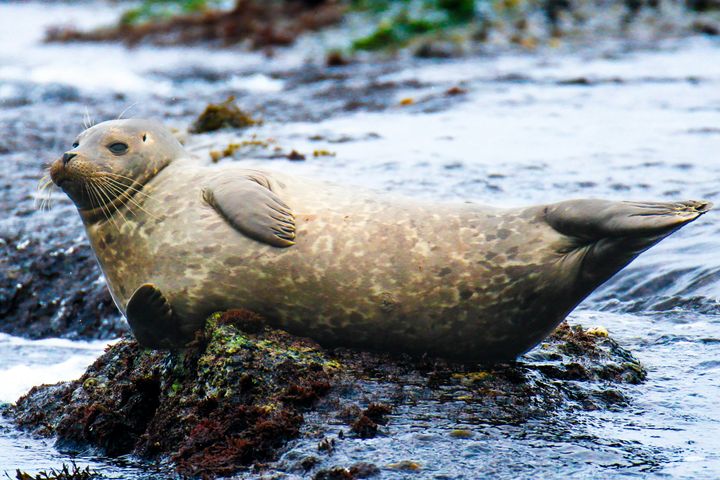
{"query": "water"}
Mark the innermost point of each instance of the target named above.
(602, 122)
(25, 363)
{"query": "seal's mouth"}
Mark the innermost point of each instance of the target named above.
(67, 181)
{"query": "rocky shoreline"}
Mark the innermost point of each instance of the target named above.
(241, 391)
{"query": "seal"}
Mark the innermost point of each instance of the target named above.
(178, 239)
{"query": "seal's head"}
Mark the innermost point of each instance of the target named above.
(112, 159)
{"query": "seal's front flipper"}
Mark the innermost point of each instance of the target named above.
(249, 205)
(151, 318)
(604, 236)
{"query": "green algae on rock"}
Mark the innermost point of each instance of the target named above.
(240, 391)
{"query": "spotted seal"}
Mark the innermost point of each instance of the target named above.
(178, 240)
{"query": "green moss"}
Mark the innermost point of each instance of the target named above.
(154, 10)
(402, 21)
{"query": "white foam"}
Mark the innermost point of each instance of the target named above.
(256, 82)
(102, 66)
(94, 345)
(26, 363)
(17, 380)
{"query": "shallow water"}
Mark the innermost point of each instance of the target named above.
(25, 363)
(604, 122)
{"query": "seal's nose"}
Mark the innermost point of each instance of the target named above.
(67, 157)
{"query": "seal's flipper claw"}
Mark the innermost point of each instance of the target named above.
(151, 318)
(251, 207)
(604, 236)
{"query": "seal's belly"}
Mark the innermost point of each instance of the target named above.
(363, 272)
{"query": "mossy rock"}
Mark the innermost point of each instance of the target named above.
(231, 399)
(240, 391)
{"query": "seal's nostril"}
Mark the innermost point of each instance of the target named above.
(67, 157)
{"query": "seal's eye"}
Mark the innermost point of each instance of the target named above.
(75, 145)
(118, 148)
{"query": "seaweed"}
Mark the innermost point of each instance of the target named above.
(72, 472)
(222, 115)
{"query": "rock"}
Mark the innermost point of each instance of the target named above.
(241, 391)
(54, 291)
(230, 400)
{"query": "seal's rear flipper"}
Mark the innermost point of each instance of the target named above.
(604, 236)
(151, 318)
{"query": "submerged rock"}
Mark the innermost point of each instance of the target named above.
(241, 391)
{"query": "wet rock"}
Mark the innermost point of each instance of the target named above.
(262, 24)
(295, 156)
(54, 291)
(358, 470)
(438, 49)
(335, 58)
(229, 400)
(364, 427)
(706, 28)
(456, 90)
(366, 424)
(406, 465)
(337, 473)
(234, 398)
(703, 5)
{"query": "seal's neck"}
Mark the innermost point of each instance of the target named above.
(129, 202)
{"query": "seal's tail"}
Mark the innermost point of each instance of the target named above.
(608, 235)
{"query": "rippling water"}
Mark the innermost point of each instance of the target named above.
(604, 122)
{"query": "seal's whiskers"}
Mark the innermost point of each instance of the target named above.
(103, 195)
(93, 191)
(123, 177)
(117, 189)
(104, 191)
(123, 185)
(87, 119)
(126, 110)
(44, 198)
